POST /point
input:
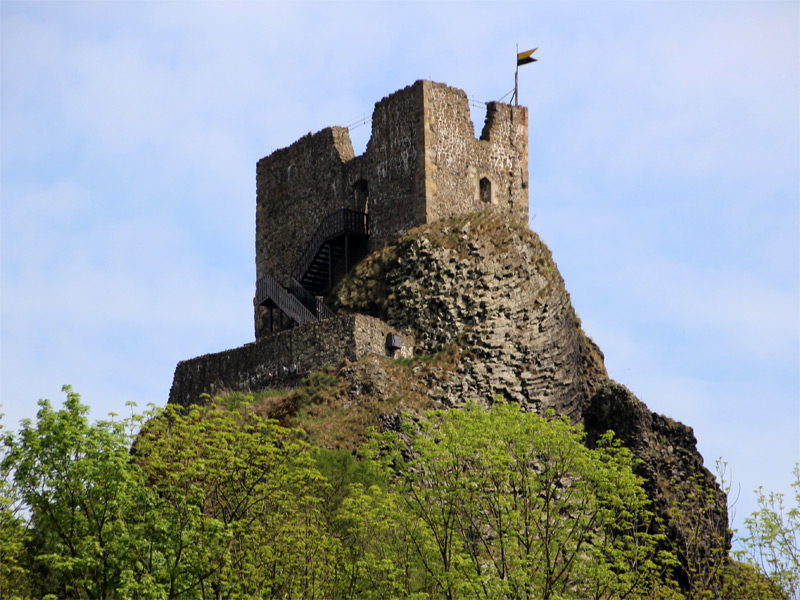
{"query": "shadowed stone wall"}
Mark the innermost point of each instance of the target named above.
(296, 187)
(267, 362)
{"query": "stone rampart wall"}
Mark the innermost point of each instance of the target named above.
(268, 362)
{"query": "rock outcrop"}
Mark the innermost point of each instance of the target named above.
(490, 287)
(491, 316)
(685, 494)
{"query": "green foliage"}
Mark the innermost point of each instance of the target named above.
(242, 497)
(508, 504)
(13, 537)
(342, 469)
(77, 482)
(702, 541)
(772, 546)
(765, 568)
(742, 581)
(218, 502)
(14, 580)
(212, 503)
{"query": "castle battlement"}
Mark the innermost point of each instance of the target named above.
(422, 163)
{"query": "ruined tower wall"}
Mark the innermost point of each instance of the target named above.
(422, 163)
(297, 187)
(456, 162)
(393, 165)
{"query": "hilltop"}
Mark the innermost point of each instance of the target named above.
(491, 318)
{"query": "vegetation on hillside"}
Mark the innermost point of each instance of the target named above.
(220, 502)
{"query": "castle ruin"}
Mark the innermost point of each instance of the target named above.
(320, 208)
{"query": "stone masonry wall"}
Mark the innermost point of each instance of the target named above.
(297, 187)
(394, 166)
(266, 362)
(456, 162)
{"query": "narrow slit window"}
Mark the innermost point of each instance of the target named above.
(361, 195)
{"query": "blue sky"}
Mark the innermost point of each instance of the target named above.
(664, 162)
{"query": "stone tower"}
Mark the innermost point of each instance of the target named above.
(422, 163)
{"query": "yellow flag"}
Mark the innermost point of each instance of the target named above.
(523, 58)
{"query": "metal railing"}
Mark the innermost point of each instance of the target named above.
(297, 302)
(343, 221)
(310, 301)
(269, 289)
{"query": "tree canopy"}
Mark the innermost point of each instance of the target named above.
(218, 502)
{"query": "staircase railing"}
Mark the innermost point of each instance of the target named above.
(337, 223)
(310, 301)
(269, 289)
(297, 302)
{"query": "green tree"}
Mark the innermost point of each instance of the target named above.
(384, 546)
(701, 547)
(14, 574)
(243, 498)
(216, 502)
(368, 517)
(514, 505)
(772, 546)
(213, 503)
(76, 480)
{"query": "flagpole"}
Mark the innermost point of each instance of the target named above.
(516, 78)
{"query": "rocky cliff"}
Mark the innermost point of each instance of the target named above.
(491, 316)
(489, 287)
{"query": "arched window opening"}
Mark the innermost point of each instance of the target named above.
(485, 189)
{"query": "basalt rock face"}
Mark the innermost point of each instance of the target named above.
(490, 287)
(684, 493)
(482, 295)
